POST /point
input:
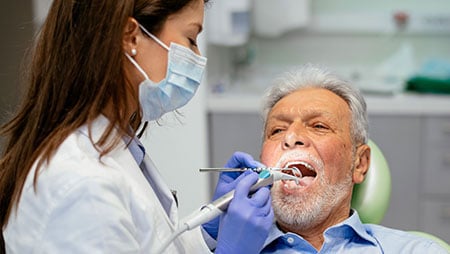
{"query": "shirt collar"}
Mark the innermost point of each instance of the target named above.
(348, 228)
(274, 234)
(136, 149)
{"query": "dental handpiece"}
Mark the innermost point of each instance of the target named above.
(220, 205)
(257, 170)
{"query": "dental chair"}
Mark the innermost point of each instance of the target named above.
(371, 201)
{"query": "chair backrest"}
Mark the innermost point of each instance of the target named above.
(371, 198)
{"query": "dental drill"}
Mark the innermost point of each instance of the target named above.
(257, 170)
(220, 205)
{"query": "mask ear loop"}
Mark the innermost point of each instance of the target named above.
(144, 126)
(134, 61)
(137, 66)
(154, 38)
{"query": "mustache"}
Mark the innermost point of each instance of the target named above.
(299, 156)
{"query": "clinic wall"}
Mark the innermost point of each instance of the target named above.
(355, 49)
(16, 27)
(351, 55)
(367, 6)
(345, 50)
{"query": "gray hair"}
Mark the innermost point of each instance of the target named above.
(316, 76)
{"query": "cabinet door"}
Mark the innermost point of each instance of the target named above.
(399, 139)
(230, 132)
(435, 217)
(436, 161)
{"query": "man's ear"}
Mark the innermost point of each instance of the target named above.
(362, 163)
(130, 35)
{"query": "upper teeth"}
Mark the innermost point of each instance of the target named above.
(289, 164)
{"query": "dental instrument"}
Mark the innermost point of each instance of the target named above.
(257, 170)
(220, 205)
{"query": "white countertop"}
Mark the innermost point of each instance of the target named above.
(408, 104)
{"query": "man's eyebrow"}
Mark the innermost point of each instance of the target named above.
(278, 116)
(330, 116)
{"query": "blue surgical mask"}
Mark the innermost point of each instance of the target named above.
(184, 73)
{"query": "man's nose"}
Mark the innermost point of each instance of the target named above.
(296, 136)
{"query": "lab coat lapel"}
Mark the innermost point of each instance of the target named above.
(122, 156)
(126, 161)
(157, 182)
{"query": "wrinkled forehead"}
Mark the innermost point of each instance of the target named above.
(311, 99)
(312, 104)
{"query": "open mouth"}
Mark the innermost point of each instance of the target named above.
(301, 169)
(304, 171)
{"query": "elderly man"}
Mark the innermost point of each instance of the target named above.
(317, 122)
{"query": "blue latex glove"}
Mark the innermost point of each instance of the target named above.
(245, 225)
(227, 182)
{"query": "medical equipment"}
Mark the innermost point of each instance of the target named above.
(229, 22)
(275, 18)
(295, 170)
(220, 205)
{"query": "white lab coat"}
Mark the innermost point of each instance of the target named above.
(82, 205)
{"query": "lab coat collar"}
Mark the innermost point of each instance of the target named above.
(122, 156)
(166, 198)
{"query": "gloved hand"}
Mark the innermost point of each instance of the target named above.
(245, 225)
(227, 182)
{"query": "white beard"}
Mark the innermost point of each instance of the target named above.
(309, 209)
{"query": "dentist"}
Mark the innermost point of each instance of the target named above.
(74, 177)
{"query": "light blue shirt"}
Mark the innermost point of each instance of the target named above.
(136, 149)
(352, 236)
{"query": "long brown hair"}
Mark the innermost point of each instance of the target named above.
(75, 72)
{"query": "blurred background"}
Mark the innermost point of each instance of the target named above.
(397, 52)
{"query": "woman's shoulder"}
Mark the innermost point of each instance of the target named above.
(80, 153)
(78, 161)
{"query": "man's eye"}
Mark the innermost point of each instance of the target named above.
(320, 126)
(276, 131)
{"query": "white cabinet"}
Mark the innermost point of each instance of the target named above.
(435, 175)
(400, 141)
(436, 155)
(416, 146)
